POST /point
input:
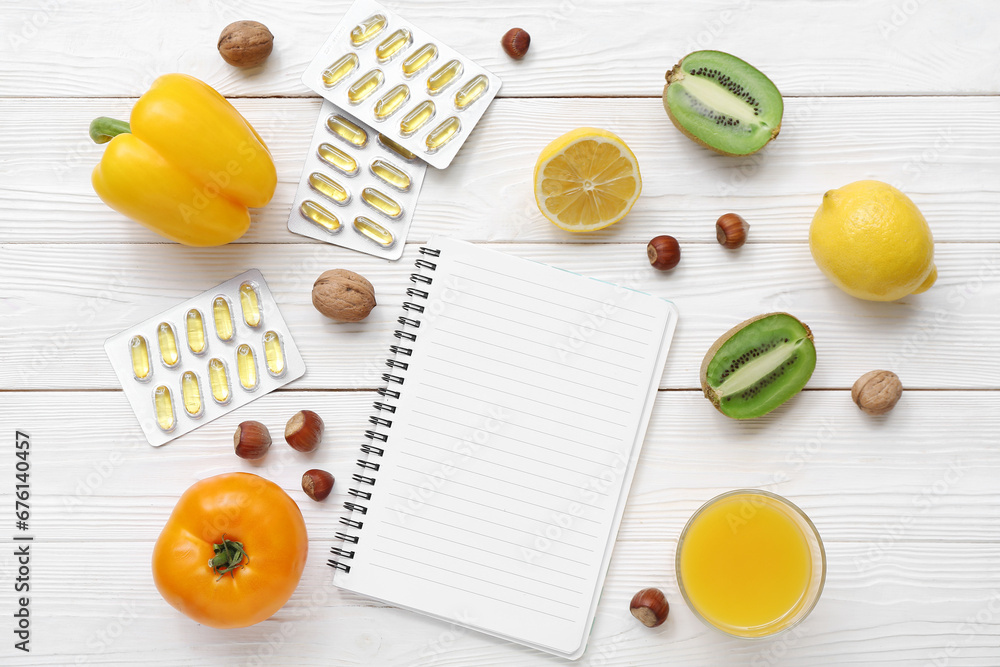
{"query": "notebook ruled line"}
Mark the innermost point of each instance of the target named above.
(427, 503)
(435, 536)
(519, 575)
(495, 493)
(548, 287)
(465, 590)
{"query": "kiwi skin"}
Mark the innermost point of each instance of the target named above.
(723, 339)
(675, 73)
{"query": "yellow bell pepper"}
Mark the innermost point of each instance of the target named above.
(187, 166)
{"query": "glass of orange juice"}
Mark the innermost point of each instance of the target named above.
(750, 563)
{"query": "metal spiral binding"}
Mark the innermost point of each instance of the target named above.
(394, 381)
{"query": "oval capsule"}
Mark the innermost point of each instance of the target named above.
(442, 134)
(368, 29)
(419, 59)
(274, 355)
(318, 215)
(223, 317)
(337, 159)
(339, 70)
(391, 102)
(191, 394)
(442, 78)
(163, 407)
(194, 323)
(218, 381)
(347, 131)
(471, 91)
(417, 118)
(250, 304)
(393, 45)
(246, 367)
(329, 188)
(391, 145)
(381, 202)
(390, 174)
(362, 89)
(373, 231)
(167, 339)
(139, 352)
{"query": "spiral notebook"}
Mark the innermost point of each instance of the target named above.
(494, 477)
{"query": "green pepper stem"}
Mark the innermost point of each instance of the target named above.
(229, 556)
(104, 129)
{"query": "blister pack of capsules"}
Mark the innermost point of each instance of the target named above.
(358, 188)
(205, 357)
(402, 81)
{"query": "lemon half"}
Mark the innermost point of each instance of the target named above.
(586, 180)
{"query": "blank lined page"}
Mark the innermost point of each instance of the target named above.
(523, 402)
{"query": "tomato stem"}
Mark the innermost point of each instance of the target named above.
(229, 555)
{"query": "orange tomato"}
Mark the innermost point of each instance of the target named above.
(247, 583)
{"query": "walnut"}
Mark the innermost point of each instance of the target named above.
(245, 43)
(343, 295)
(877, 392)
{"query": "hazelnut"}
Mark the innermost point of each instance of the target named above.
(245, 43)
(663, 252)
(650, 606)
(877, 392)
(304, 431)
(251, 440)
(317, 484)
(343, 295)
(731, 231)
(515, 43)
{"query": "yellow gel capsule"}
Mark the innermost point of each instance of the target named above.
(218, 380)
(168, 344)
(420, 59)
(391, 145)
(315, 213)
(393, 45)
(347, 131)
(140, 358)
(390, 174)
(250, 304)
(373, 231)
(337, 159)
(365, 31)
(381, 202)
(336, 72)
(191, 393)
(391, 102)
(471, 91)
(442, 134)
(361, 89)
(164, 407)
(223, 317)
(246, 367)
(195, 325)
(440, 79)
(274, 355)
(329, 188)
(416, 119)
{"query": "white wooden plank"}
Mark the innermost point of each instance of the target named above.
(944, 152)
(838, 48)
(925, 472)
(103, 609)
(62, 301)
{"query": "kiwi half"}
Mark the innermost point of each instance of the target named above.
(758, 365)
(723, 103)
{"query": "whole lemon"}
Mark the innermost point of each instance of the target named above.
(873, 242)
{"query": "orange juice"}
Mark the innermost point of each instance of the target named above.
(747, 563)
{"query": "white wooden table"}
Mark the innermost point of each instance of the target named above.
(903, 91)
